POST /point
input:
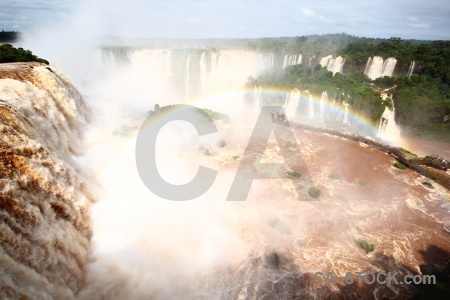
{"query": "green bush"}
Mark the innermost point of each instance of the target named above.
(406, 151)
(314, 192)
(207, 153)
(10, 54)
(301, 243)
(214, 115)
(365, 245)
(335, 176)
(276, 224)
(235, 156)
(399, 166)
(221, 143)
(362, 183)
(293, 174)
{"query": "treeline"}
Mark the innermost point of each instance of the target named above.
(8, 36)
(10, 54)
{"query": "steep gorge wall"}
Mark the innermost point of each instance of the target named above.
(44, 198)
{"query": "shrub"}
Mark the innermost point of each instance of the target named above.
(221, 143)
(10, 54)
(301, 243)
(335, 176)
(365, 245)
(207, 153)
(235, 156)
(406, 151)
(314, 192)
(399, 166)
(214, 115)
(276, 224)
(362, 183)
(293, 174)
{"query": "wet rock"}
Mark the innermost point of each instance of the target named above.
(428, 185)
(273, 259)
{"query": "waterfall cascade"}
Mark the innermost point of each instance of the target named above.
(44, 198)
(386, 127)
(334, 65)
(376, 67)
(292, 60)
(411, 69)
(291, 104)
(257, 99)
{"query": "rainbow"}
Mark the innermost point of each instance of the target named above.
(230, 100)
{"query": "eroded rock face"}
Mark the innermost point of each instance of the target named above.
(44, 197)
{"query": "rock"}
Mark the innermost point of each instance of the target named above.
(428, 185)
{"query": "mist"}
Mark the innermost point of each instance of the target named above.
(144, 246)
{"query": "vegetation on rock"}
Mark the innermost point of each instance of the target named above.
(10, 54)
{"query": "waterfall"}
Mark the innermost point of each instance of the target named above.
(257, 99)
(45, 198)
(188, 62)
(203, 74)
(411, 69)
(291, 60)
(291, 105)
(388, 67)
(337, 65)
(333, 65)
(368, 65)
(346, 105)
(310, 106)
(323, 100)
(285, 61)
(325, 60)
(387, 127)
(376, 67)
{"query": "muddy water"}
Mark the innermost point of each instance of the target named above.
(363, 196)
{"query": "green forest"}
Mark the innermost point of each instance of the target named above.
(10, 54)
(422, 101)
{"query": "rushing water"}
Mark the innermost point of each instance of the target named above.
(142, 246)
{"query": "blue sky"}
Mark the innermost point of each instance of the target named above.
(417, 19)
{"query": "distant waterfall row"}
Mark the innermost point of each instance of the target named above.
(303, 107)
(190, 73)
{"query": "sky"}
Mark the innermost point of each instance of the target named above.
(408, 19)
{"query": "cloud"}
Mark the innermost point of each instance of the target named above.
(311, 14)
(414, 22)
(246, 18)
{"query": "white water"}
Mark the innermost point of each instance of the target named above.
(346, 105)
(203, 75)
(187, 87)
(257, 100)
(292, 60)
(291, 105)
(310, 106)
(323, 100)
(376, 67)
(45, 229)
(387, 128)
(411, 69)
(334, 65)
